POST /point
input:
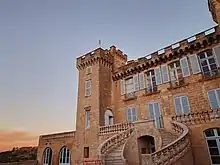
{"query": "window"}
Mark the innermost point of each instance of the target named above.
(129, 87)
(86, 152)
(131, 114)
(155, 114)
(175, 71)
(208, 63)
(87, 116)
(151, 81)
(165, 74)
(158, 75)
(181, 105)
(47, 158)
(88, 70)
(213, 143)
(88, 88)
(108, 117)
(214, 98)
(64, 156)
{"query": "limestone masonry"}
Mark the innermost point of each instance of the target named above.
(161, 109)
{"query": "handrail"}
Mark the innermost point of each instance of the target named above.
(103, 130)
(174, 150)
(198, 117)
(113, 141)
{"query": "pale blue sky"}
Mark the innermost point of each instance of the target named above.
(40, 40)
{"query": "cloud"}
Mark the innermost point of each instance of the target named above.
(16, 138)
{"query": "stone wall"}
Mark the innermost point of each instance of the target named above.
(131, 149)
(56, 142)
(199, 146)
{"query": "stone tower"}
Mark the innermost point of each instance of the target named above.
(94, 97)
(214, 8)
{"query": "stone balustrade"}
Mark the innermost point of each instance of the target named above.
(103, 130)
(172, 152)
(114, 141)
(198, 117)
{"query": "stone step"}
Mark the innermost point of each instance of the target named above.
(116, 157)
(167, 137)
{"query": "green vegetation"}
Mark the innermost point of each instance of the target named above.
(19, 154)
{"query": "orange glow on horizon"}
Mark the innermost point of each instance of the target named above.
(11, 138)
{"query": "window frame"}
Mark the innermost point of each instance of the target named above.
(207, 61)
(217, 98)
(181, 103)
(64, 157)
(86, 152)
(133, 118)
(88, 70)
(155, 117)
(47, 156)
(131, 84)
(88, 88)
(216, 137)
(87, 117)
(149, 78)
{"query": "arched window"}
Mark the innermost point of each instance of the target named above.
(47, 157)
(64, 156)
(108, 117)
(213, 143)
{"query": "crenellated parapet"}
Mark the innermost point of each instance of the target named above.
(97, 56)
(108, 57)
(190, 45)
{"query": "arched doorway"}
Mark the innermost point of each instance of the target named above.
(64, 157)
(146, 144)
(108, 117)
(213, 143)
(47, 156)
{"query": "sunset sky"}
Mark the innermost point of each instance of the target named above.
(40, 40)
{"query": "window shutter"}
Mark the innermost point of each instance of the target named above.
(158, 75)
(184, 67)
(177, 103)
(194, 62)
(151, 111)
(129, 114)
(217, 55)
(88, 88)
(185, 104)
(212, 99)
(157, 109)
(141, 81)
(165, 75)
(122, 87)
(136, 82)
(134, 115)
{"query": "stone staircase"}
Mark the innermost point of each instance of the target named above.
(174, 146)
(115, 157)
(167, 137)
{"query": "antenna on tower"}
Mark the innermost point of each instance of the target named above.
(99, 43)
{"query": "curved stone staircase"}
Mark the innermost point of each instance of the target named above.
(174, 146)
(111, 150)
(167, 137)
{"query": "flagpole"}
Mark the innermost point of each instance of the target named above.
(99, 43)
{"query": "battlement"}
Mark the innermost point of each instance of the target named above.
(185, 46)
(118, 53)
(99, 54)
